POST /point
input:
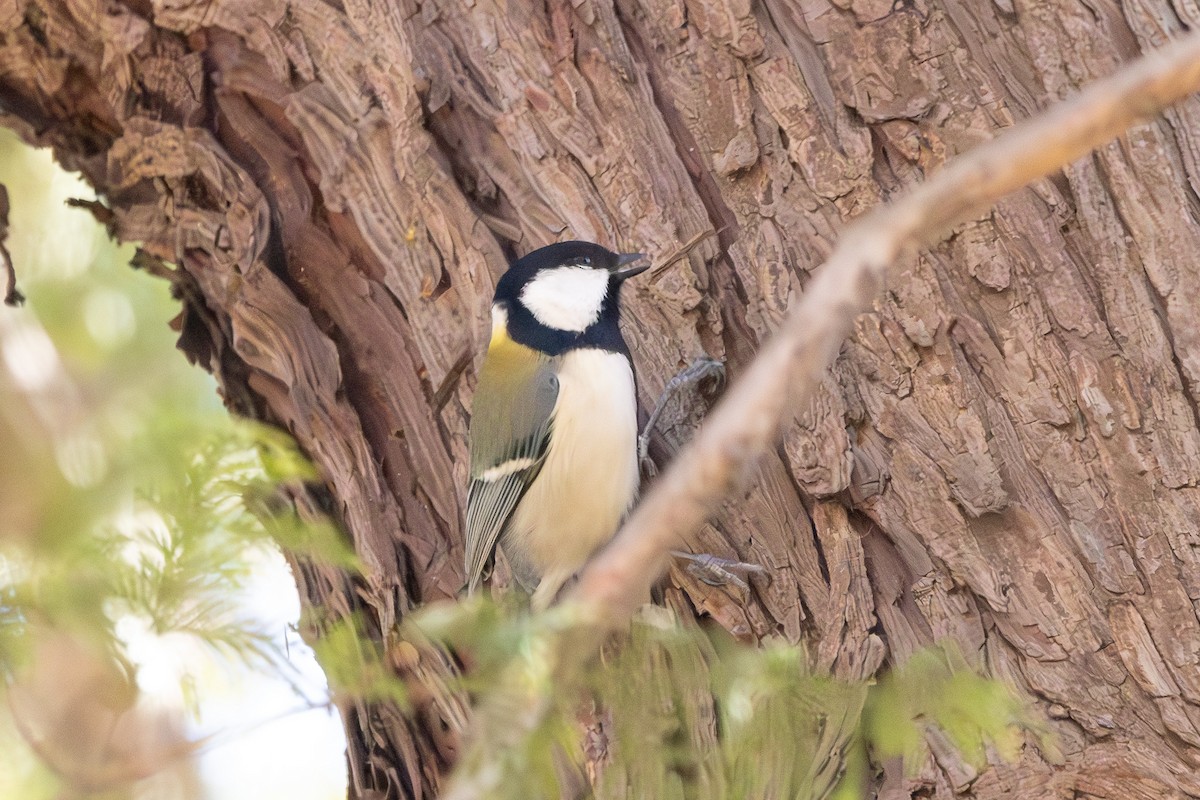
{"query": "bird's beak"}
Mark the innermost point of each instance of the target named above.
(622, 272)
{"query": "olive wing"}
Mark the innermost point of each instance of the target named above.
(510, 433)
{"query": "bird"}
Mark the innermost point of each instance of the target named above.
(553, 432)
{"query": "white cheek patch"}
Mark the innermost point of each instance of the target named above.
(566, 298)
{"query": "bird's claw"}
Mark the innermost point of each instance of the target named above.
(649, 468)
(704, 368)
(717, 571)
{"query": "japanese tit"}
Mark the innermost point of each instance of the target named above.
(553, 432)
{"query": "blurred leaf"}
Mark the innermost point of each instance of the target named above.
(356, 666)
(685, 712)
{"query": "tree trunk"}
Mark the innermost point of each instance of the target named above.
(1006, 454)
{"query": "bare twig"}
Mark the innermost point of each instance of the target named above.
(784, 374)
(12, 295)
(789, 367)
(686, 248)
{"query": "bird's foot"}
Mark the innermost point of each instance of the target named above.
(717, 571)
(701, 370)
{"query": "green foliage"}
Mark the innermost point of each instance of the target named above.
(161, 535)
(689, 713)
(936, 687)
(356, 666)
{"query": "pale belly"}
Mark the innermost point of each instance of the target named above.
(588, 480)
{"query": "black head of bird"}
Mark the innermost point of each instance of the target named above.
(566, 295)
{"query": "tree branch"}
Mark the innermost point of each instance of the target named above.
(789, 367)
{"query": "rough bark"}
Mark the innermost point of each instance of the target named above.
(1006, 454)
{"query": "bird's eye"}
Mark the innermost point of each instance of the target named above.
(581, 261)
